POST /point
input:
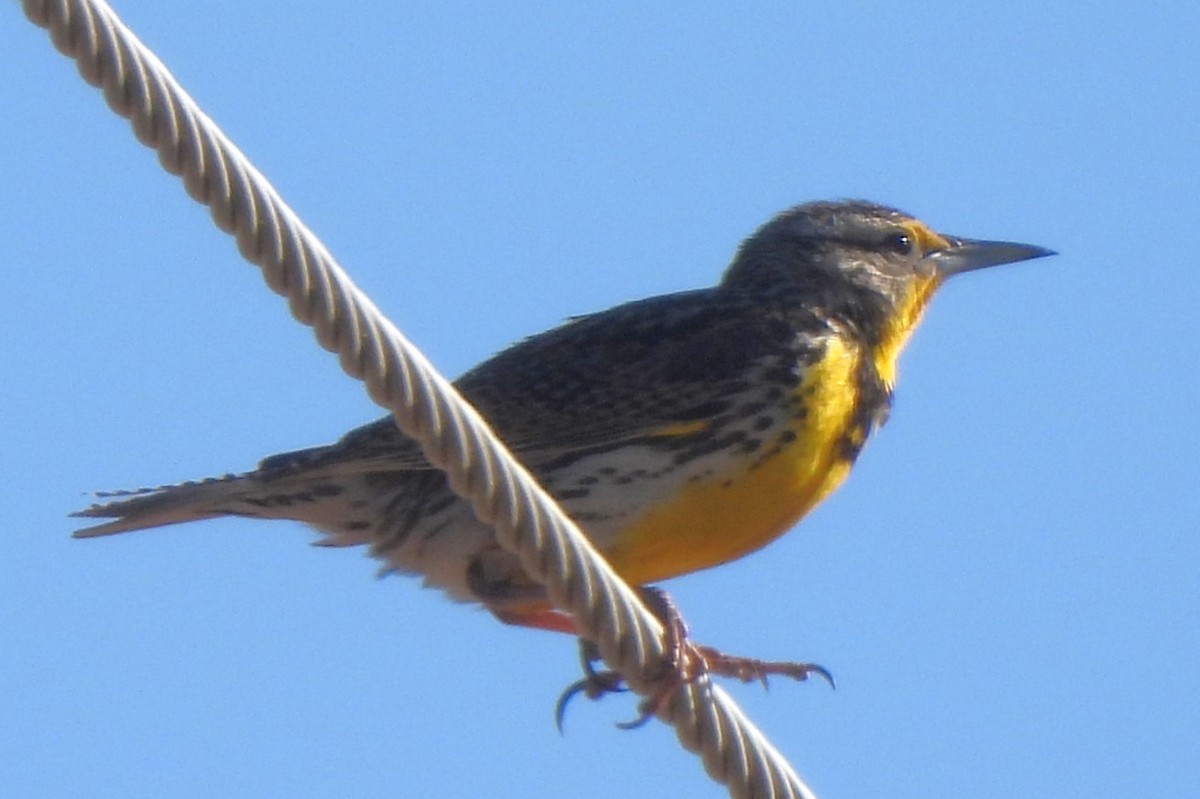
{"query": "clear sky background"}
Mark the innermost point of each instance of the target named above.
(1007, 589)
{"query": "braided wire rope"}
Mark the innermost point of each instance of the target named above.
(426, 407)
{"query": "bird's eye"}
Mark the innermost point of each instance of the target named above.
(900, 243)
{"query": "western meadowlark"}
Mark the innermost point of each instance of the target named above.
(680, 432)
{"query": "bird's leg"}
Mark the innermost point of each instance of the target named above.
(685, 662)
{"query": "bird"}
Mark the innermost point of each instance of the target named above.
(680, 432)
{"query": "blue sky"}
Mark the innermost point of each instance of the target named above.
(1007, 588)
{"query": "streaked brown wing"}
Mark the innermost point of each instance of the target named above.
(657, 367)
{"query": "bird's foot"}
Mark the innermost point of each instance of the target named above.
(594, 684)
(685, 662)
(751, 669)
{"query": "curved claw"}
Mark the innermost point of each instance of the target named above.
(823, 673)
(560, 707)
(595, 685)
(637, 723)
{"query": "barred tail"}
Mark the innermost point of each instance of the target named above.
(231, 495)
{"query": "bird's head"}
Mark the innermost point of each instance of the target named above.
(863, 246)
(868, 264)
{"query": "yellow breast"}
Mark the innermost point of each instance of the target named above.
(754, 500)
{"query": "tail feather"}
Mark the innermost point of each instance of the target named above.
(156, 507)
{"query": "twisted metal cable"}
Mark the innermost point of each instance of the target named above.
(426, 407)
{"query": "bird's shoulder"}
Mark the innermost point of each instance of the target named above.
(665, 363)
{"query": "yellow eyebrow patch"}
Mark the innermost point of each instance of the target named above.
(926, 238)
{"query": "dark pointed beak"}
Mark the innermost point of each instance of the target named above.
(965, 255)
